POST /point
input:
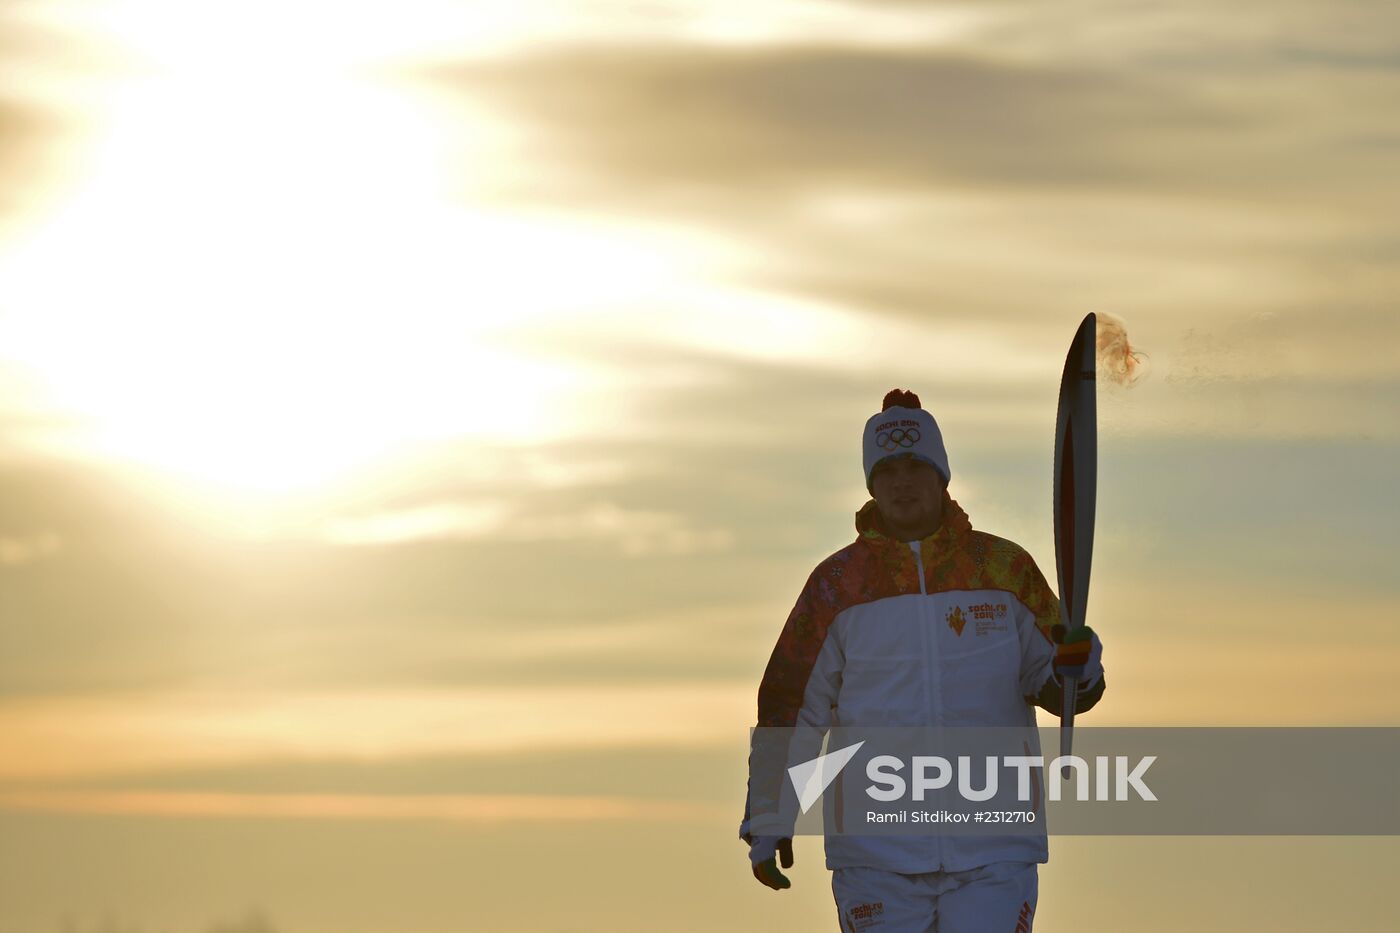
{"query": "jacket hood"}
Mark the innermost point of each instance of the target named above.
(955, 524)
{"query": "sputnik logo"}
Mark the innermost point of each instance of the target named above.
(813, 777)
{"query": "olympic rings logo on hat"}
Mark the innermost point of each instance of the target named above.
(899, 437)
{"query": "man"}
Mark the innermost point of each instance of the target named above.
(881, 636)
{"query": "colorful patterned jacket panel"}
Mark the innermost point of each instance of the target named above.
(983, 605)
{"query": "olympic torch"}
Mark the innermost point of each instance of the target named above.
(1076, 468)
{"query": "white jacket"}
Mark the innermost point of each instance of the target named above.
(950, 631)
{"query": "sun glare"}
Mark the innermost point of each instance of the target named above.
(267, 276)
(281, 264)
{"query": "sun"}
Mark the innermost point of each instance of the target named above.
(264, 277)
(283, 260)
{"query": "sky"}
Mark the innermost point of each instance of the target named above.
(416, 422)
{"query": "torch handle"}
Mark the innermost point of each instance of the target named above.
(1071, 691)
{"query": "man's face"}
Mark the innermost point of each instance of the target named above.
(909, 493)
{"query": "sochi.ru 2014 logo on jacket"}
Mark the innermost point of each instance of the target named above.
(987, 617)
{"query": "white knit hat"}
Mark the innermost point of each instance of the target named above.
(903, 428)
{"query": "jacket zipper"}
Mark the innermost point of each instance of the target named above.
(933, 679)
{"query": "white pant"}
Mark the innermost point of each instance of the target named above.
(996, 898)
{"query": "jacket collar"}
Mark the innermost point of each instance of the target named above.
(955, 525)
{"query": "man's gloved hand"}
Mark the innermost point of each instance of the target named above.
(1078, 654)
(763, 854)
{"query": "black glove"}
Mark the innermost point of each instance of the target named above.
(764, 853)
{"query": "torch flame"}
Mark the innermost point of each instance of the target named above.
(1117, 359)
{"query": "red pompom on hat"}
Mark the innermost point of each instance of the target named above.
(902, 398)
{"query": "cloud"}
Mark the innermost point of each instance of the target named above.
(658, 770)
(644, 120)
(1089, 97)
(31, 135)
(41, 113)
(1196, 37)
(443, 520)
(124, 591)
(16, 551)
(1010, 186)
(451, 808)
(634, 532)
(59, 738)
(100, 590)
